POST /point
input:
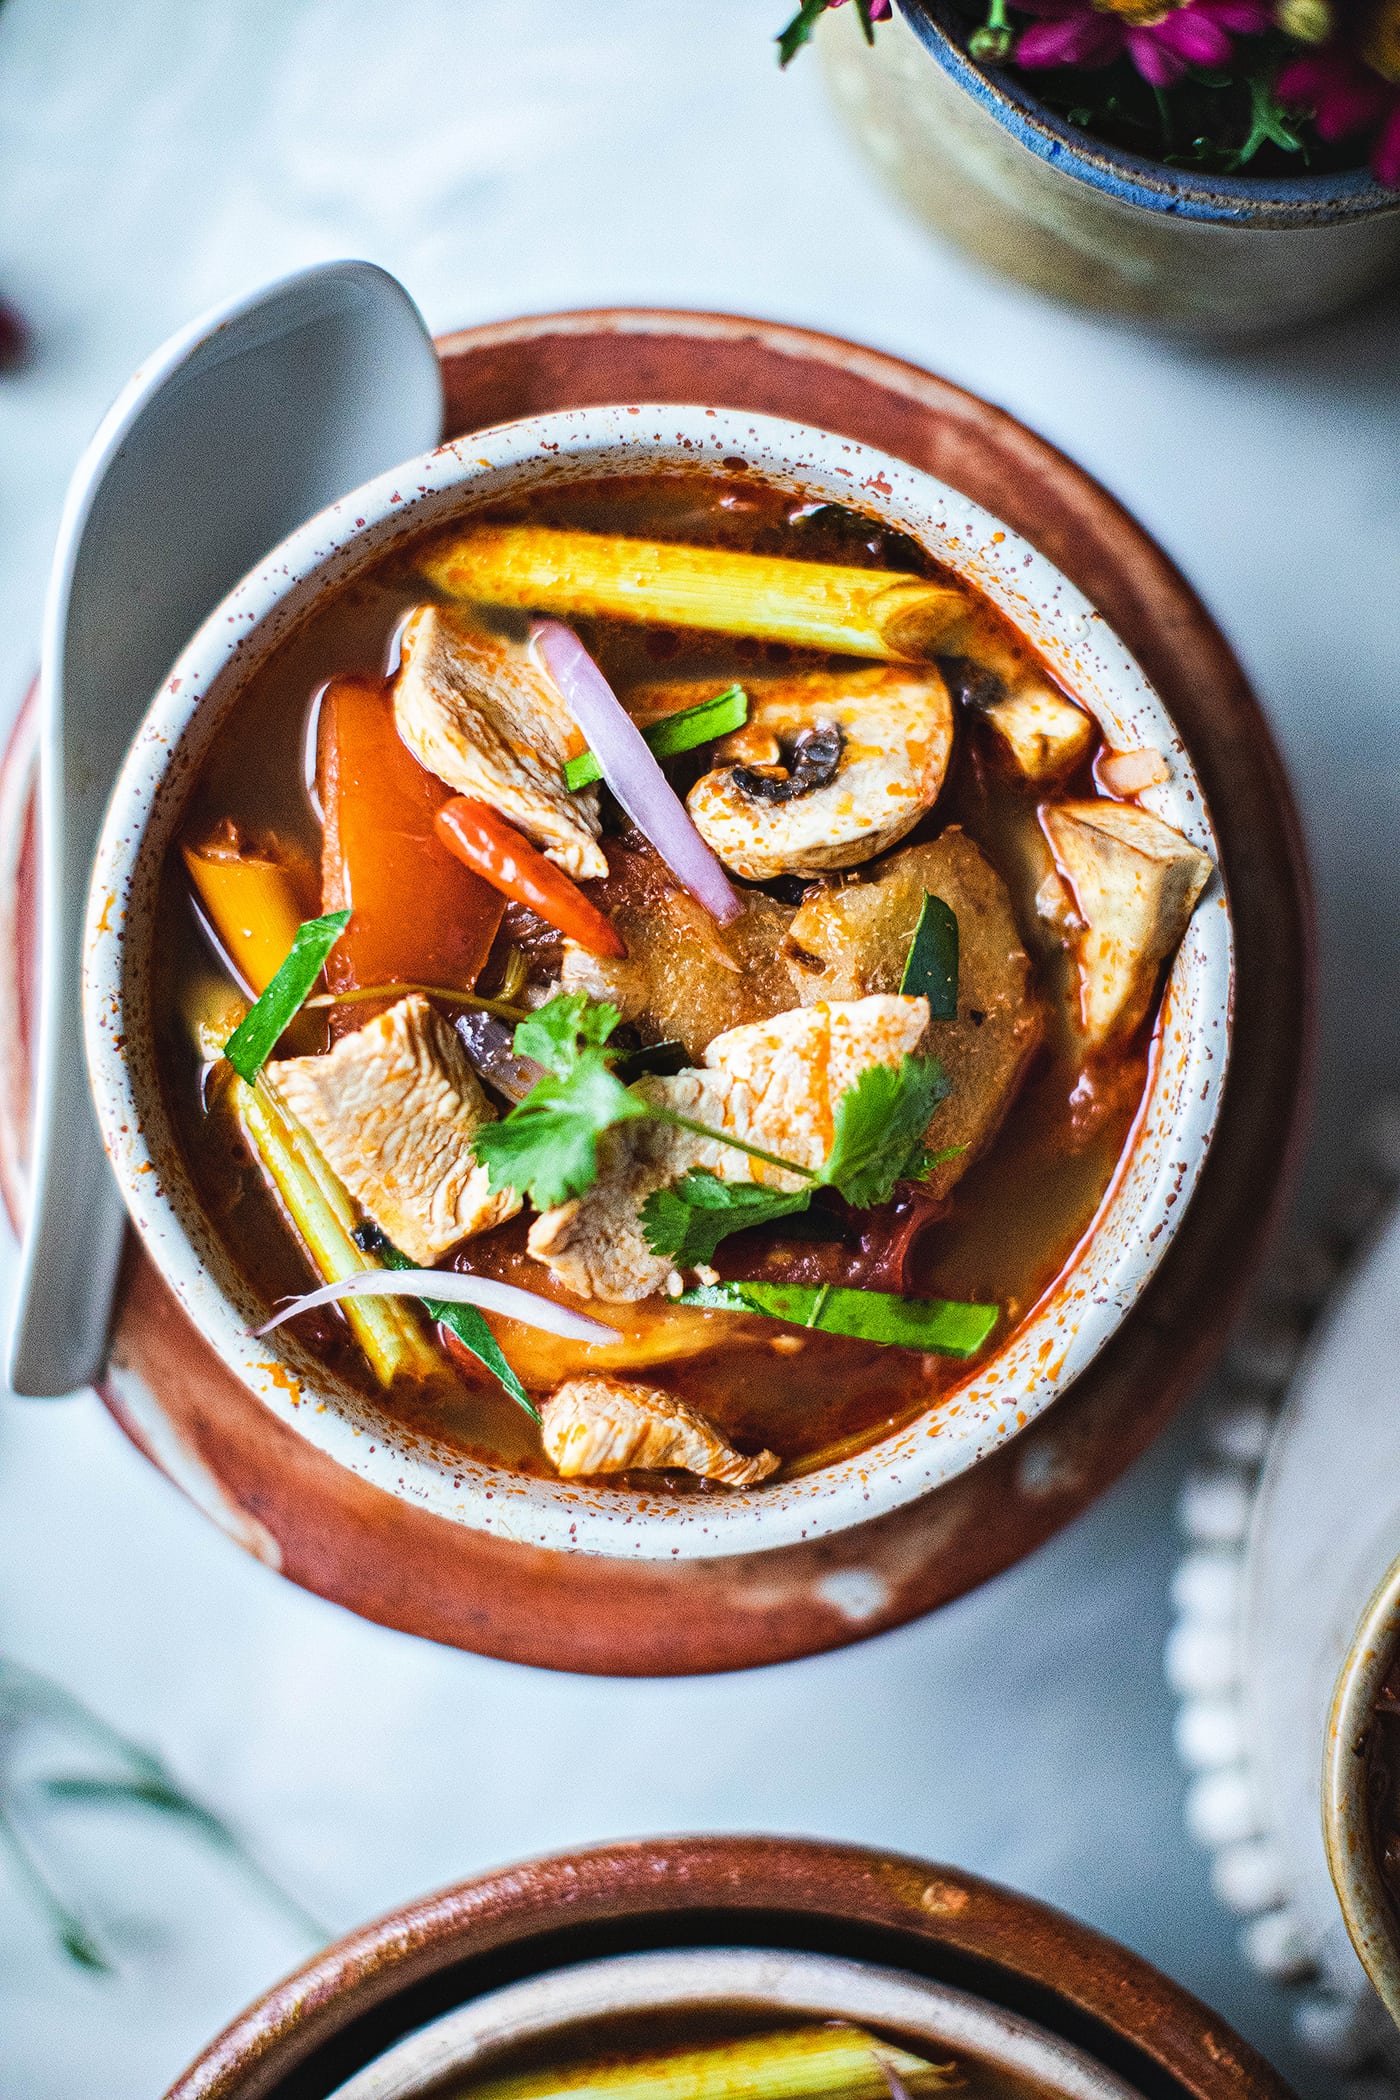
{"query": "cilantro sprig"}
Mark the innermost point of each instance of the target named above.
(547, 1147)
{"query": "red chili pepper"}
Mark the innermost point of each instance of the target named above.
(502, 856)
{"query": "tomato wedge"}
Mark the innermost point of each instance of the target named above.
(504, 857)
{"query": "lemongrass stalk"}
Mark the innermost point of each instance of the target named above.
(795, 2064)
(814, 605)
(325, 1220)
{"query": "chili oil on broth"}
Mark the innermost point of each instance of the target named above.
(1003, 1235)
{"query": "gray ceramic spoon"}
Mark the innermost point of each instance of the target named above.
(234, 433)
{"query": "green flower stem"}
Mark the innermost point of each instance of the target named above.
(719, 1137)
(67, 1927)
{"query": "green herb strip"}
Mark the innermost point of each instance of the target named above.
(261, 1029)
(465, 1322)
(700, 724)
(943, 1325)
(931, 971)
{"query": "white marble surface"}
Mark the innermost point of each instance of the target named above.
(505, 159)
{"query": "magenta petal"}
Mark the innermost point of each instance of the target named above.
(1241, 17)
(1385, 153)
(1300, 82)
(1343, 96)
(1077, 41)
(1157, 63)
(1192, 37)
(880, 10)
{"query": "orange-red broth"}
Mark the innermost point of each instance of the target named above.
(1008, 1227)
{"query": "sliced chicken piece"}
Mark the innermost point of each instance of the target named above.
(863, 756)
(774, 1083)
(613, 1425)
(394, 1108)
(787, 1075)
(685, 979)
(595, 1245)
(853, 939)
(1044, 734)
(1135, 883)
(478, 711)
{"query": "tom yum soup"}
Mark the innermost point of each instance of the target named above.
(657, 980)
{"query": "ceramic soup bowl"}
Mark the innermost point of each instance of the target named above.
(1135, 1223)
(468, 1984)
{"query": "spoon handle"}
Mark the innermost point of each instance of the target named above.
(73, 1236)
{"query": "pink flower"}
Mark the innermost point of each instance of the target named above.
(1081, 33)
(1347, 99)
(879, 9)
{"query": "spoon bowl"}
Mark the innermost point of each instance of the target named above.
(245, 423)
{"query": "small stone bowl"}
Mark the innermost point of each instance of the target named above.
(1140, 1214)
(989, 167)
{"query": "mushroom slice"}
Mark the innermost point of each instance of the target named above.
(478, 711)
(394, 1108)
(1044, 734)
(614, 1425)
(863, 756)
(1135, 883)
(850, 940)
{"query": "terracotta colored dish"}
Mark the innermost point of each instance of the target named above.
(409, 1568)
(1004, 1954)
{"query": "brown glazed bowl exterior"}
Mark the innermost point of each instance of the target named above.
(1347, 1827)
(311, 2032)
(335, 1534)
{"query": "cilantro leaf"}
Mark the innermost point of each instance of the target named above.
(686, 1222)
(547, 1147)
(565, 1030)
(880, 1124)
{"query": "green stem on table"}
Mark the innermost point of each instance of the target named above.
(67, 1927)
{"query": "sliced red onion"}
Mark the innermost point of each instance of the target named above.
(631, 770)
(452, 1289)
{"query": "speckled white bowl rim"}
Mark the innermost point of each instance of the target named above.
(1134, 1225)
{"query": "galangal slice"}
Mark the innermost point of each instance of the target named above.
(1135, 882)
(851, 939)
(614, 1425)
(480, 713)
(394, 1108)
